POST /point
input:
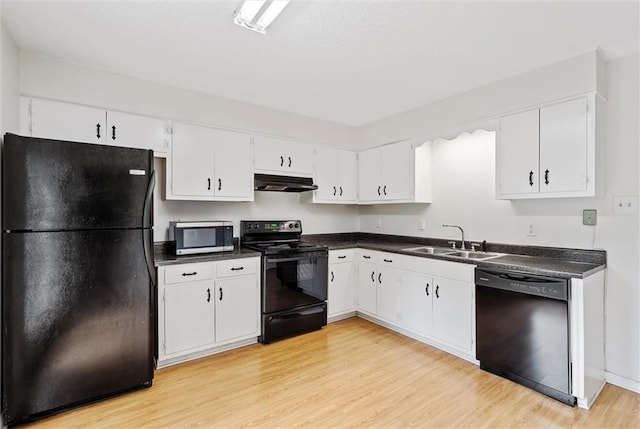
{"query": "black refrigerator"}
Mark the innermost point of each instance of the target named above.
(77, 274)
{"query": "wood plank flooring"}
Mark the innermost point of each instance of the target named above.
(352, 373)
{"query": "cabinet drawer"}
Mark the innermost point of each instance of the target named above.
(184, 273)
(237, 267)
(390, 260)
(370, 256)
(339, 256)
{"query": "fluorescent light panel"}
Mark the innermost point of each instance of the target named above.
(256, 15)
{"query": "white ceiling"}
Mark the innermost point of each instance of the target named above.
(350, 62)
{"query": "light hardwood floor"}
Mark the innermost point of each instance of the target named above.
(350, 374)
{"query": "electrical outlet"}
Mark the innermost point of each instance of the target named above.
(625, 205)
(531, 230)
(589, 217)
(378, 223)
(421, 224)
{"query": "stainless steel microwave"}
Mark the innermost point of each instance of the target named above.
(189, 238)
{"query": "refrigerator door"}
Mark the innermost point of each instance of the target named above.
(52, 185)
(76, 318)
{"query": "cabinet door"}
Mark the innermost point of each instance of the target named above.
(269, 154)
(370, 175)
(188, 316)
(124, 129)
(191, 164)
(563, 146)
(452, 312)
(347, 176)
(415, 302)
(388, 292)
(237, 308)
(65, 121)
(517, 146)
(397, 171)
(342, 291)
(367, 287)
(276, 155)
(326, 176)
(232, 165)
(299, 158)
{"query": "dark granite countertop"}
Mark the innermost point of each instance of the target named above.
(551, 261)
(162, 255)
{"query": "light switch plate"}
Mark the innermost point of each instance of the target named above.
(589, 217)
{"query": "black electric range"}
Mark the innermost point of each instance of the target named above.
(294, 278)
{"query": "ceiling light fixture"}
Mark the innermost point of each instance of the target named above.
(256, 15)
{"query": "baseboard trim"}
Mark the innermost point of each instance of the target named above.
(620, 381)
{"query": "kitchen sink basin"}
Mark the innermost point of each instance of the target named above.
(430, 249)
(472, 254)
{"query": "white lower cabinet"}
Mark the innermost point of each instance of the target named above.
(237, 307)
(188, 316)
(429, 299)
(378, 284)
(452, 312)
(416, 302)
(367, 283)
(341, 300)
(207, 307)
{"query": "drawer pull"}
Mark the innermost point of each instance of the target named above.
(342, 257)
(190, 274)
(388, 260)
(237, 269)
(366, 257)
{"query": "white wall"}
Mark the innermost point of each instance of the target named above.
(47, 78)
(464, 194)
(576, 75)
(43, 77)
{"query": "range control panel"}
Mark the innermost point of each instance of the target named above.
(267, 227)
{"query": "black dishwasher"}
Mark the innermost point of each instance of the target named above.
(522, 330)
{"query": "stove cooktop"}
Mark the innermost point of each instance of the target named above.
(297, 246)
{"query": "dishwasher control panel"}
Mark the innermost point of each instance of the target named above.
(514, 281)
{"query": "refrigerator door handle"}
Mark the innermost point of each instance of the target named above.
(147, 234)
(147, 208)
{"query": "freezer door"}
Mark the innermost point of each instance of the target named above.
(51, 185)
(76, 317)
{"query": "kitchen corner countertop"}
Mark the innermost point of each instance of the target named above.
(162, 256)
(547, 261)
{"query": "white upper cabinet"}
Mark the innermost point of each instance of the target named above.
(517, 153)
(125, 129)
(395, 173)
(548, 152)
(66, 121)
(336, 174)
(279, 156)
(209, 164)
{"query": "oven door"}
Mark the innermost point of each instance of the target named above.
(294, 281)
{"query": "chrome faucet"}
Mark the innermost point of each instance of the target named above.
(462, 245)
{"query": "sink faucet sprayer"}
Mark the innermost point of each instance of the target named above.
(462, 245)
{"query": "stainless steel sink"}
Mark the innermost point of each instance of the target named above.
(430, 249)
(468, 254)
